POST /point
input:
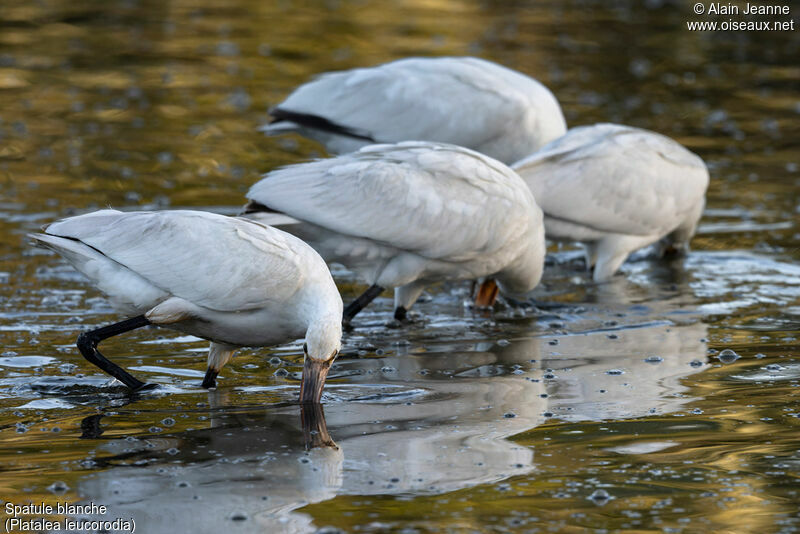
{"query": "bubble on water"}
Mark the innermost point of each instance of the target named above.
(165, 158)
(774, 367)
(239, 99)
(172, 451)
(639, 67)
(388, 369)
(67, 368)
(615, 372)
(155, 429)
(168, 421)
(281, 373)
(600, 497)
(509, 415)
(239, 516)
(58, 487)
(728, 356)
(696, 363)
(654, 359)
(227, 48)
(275, 361)
(19, 127)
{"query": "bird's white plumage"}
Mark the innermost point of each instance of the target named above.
(465, 101)
(616, 187)
(185, 253)
(232, 281)
(413, 212)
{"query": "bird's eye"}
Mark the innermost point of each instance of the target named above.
(305, 348)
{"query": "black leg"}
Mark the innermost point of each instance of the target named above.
(361, 302)
(87, 344)
(210, 380)
(400, 313)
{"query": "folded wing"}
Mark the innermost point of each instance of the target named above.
(616, 179)
(217, 262)
(426, 198)
(464, 101)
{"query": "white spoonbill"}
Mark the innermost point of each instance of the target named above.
(465, 101)
(407, 215)
(232, 281)
(617, 189)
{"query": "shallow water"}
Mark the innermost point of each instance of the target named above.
(615, 407)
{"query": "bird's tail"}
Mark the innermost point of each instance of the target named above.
(255, 211)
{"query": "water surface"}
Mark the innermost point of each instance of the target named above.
(613, 408)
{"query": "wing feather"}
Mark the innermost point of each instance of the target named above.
(407, 196)
(217, 262)
(464, 101)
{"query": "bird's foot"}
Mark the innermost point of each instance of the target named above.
(210, 380)
(400, 313)
(403, 318)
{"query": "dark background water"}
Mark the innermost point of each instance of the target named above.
(617, 412)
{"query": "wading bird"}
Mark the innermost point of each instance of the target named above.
(408, 215)
(617, 189)
(232, 281)
(465, 101)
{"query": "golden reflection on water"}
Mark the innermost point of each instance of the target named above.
(155, 104)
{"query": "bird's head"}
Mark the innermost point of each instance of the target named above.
(323, 342)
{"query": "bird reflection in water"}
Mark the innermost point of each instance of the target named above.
(315, 430)
(439, 422)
